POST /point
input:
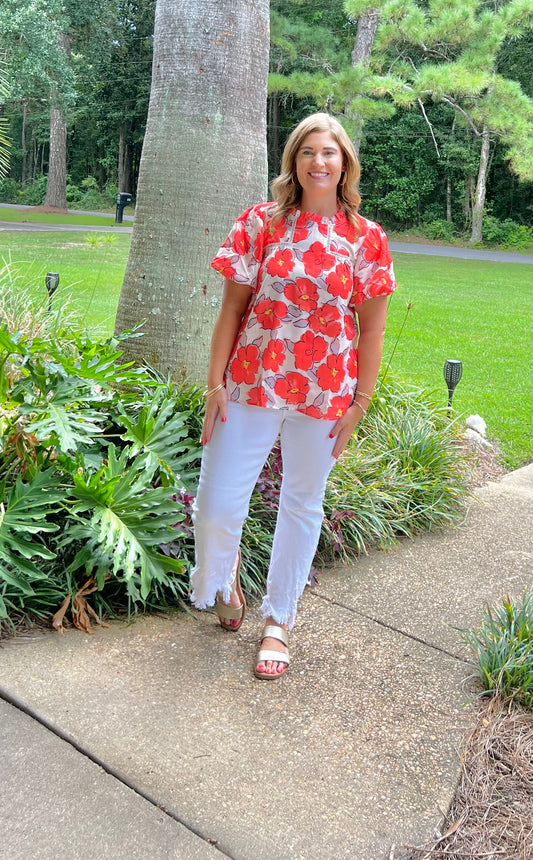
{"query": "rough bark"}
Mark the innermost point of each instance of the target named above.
(56, 186)
(481, 189)
(124, 161)
(203, 162)
(367, 25)
(23, 142)
(448, 199)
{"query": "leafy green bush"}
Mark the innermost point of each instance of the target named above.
(503, 647)
(9, 190)
(507, 234)
(440, 229)
(94, 458)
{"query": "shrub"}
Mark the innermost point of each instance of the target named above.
(440, 229)
(94, 461)
(503, 648)
(507, 234)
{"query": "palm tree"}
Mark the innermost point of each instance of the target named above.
(203, 162)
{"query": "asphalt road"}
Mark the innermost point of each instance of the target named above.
(395, 247)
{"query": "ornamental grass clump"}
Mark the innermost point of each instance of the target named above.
(503, 648)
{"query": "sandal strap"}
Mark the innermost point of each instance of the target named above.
(233, 613)
(271, 631)
(273, 656)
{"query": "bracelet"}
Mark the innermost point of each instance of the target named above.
(355, 403)
(360, 393)
(208, 392)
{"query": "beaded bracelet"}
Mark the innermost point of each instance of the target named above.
(208, 392)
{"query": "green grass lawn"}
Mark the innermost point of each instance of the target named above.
(478, 312)
(21, 215)
(91, 269)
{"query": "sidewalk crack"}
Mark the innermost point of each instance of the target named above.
(392, 627)
(16, 702)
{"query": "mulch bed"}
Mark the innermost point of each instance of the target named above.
(492, 813)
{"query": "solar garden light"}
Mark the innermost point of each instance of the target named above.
(453, 370)
(51, 282)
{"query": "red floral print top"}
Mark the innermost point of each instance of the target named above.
(296, 347)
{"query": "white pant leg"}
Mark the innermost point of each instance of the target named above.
(307, 461)
(231, 464)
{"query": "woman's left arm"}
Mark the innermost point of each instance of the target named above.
(371, 316)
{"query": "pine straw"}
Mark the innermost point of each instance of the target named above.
(492, 813)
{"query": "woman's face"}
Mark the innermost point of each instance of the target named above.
(319, 165)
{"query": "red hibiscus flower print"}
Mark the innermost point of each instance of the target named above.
(282, 263)
(300, 234)
(257, 396)
(373, 248)
(326, 320)
(241, 242)
(344, 228)
(303, 293)
(340, 281)
(316, 260)
(223, 265)
(310, 349)
(312, 411)
(338, 407)
(351, 364)
(293, 387)
(349, 327)
(245, 364)
(270, 313)
(380, 286)
(274, 233)
(358, 295)
(274, 355)
(330, 375)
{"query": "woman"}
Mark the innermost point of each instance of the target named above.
(296, 351)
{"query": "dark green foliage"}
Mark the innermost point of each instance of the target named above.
(94, 459)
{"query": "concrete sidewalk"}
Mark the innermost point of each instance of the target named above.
(154, 740)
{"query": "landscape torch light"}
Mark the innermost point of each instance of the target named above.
(453, 370)
(51, 282)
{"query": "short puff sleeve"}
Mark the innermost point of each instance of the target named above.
(240, 257)
(374, 273)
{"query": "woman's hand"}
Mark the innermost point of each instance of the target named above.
(216, 405)
(344, 428)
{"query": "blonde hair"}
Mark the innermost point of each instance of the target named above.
(286, 189)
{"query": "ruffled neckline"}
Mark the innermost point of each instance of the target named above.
(320, 219)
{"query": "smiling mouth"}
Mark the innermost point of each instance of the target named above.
(319, 175)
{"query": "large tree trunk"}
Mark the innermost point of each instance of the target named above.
(124, 160)
(203, 162)
(56, 186)
(23, 142)
(367, 25)
(481, 188)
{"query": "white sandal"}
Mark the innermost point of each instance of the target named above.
(271, 631)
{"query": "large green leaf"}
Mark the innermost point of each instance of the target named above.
(158, 436)
(123, 519)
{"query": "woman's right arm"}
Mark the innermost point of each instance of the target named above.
(235, 300)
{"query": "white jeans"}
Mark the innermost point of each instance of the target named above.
(231, 464)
